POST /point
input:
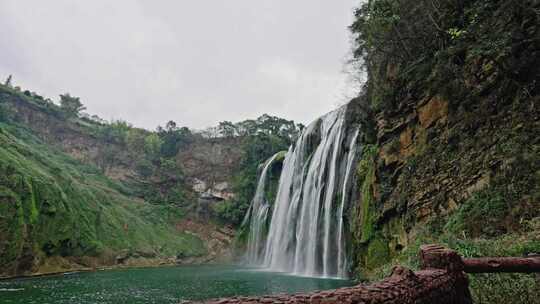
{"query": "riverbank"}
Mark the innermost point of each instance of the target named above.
(53, 266)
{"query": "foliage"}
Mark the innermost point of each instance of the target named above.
(70, 105)
(479, 215)
(145, 168)
(135, 139)
(227, 129)
(55, 205)
(4, 112)
(230, 211)
(152, 145)
(173, 138)
(265, 124)
(486, 288)
(170, 167)
(257, 149)
(453, 48)
(501, 288)
(115, 132)
(377, 253)
(491, 288)
(366, 178)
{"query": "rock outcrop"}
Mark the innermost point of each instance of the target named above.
(434, 156)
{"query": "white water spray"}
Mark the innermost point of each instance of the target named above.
(306, 231)
(258, 215)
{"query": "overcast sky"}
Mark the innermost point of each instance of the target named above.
(196, 62)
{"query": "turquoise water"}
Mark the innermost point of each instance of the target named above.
(157, 285)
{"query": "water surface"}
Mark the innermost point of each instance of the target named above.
(157, 285)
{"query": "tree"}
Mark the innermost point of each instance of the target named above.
(227, 129)
(173, 138)
(8, 81)
(135, 139)
(449, 48)
(71, 105)
(247, 127)
(265, 124)
(115, 131)
(211, 132)
(152, 145)
(98, 119)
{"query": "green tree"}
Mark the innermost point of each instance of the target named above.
(169, 167)
(456, 49)
(71, 105)
(135, 139)
(265, 124)
(152, 145)
(173, 138)
(116, 131)
(144, 167)
(227, 129)
(257, 149)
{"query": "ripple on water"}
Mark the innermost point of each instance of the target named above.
(157, 285)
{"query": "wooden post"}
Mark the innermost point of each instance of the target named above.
(439, 257)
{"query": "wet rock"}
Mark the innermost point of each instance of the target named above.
(434, 110)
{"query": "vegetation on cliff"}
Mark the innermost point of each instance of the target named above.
(462, 50)
(79, 192)
(58, 214)
(262, 138)
(453, 86)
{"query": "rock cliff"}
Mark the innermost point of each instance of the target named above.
(72, 197)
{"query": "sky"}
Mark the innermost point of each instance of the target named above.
(196, 62)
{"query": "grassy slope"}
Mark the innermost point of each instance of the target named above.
(52, 205)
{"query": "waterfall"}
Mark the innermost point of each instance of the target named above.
(305, 236)
(342, 258)
(257, 215)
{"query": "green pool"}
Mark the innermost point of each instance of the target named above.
(157, 285)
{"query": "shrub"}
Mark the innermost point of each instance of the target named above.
(70, 105)
(144, 168)
(4, 112)
(481, 214)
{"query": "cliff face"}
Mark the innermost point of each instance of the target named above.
(438, 166)
(453, 152)
(70, 199)
(209, 165)
(441, 156)
(59, 215)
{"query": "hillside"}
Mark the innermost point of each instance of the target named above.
(59, 214)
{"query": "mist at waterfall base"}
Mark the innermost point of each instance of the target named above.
(305, 234)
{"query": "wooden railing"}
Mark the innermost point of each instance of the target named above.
(442, 279)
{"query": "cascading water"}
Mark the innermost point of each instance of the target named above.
(258, 216)
(307, 228)
(342, 258)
